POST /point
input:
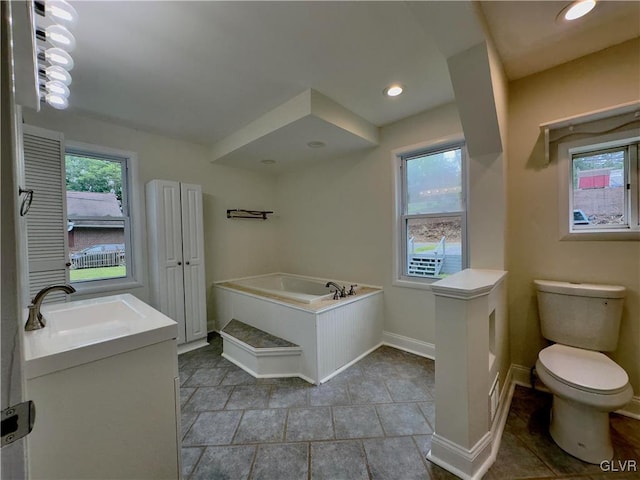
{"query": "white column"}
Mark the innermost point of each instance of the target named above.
(462, 439)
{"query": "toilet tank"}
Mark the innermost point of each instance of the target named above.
(580, 314)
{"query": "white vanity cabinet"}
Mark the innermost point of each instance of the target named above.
(176, 257)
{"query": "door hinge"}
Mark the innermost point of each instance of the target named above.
(17, 421)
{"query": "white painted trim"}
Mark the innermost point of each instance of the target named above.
(497, 429)
(467, 456)
(631, 409)
(266, 375)
(411, 345)
(262, 352)
(187, 347)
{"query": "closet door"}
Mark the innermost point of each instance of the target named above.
(165, 232)
(193, 253)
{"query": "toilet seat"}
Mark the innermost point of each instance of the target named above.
(584, 370)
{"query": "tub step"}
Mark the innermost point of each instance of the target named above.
(259, 353)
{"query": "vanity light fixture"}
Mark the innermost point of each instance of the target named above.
(316, 144)
(55, 62)
(393, 90)
(576, 9)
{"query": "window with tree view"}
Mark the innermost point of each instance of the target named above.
(603, 187)
(433, 212)
(98, 226)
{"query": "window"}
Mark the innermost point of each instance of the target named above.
(431, 213)
(99, 216)
(602, 198)
(80, 225)
(597, 160)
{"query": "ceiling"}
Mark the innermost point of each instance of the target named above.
(201, 71)
(529, 38)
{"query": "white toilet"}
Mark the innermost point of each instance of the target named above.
(583, 320)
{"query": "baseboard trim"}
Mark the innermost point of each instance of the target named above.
(411, 345)
(187, 347)
(631, 409)
(459, 460)
(266, 375)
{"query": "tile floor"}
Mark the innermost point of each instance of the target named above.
(373, 421)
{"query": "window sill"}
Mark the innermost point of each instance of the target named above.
(417, 284)
(89, 288)
(609, 235)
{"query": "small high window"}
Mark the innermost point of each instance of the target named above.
(604, 189)
(432, 213)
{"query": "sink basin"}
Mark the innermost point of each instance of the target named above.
(83, 331)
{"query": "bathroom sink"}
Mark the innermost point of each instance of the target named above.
(83, 331)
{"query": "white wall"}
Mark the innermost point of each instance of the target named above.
(601, 80)
(234, 248)
(336, 220)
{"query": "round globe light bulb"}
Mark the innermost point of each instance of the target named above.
(58, 102)
(58, 74)
(61, 12)
(57, 56)
(60, 37)
(57, 88)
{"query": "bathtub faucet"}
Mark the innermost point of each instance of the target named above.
(342, 291)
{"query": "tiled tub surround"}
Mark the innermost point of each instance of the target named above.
(372, 421)
(331, 333)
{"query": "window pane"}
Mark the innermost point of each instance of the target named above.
(97, 252)
(434, 183)
(434, 246)
(96, 239)
(598, 189)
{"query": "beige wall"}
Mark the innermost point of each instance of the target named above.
(598, 81)
(336, 220)
(233, 248)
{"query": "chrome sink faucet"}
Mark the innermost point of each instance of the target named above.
(36, 321)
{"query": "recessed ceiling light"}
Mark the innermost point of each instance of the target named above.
(577, 9)
(267, 161)
(393, 90)
(316, 144)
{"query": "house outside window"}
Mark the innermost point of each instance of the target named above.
(431, 213)
(604, 188)
(99, 227)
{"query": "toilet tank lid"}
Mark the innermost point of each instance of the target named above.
(580, 289)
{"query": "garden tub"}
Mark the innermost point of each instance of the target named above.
(332, 334)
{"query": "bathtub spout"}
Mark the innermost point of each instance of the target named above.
(342, 291)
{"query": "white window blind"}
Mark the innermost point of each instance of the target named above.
(46, 221)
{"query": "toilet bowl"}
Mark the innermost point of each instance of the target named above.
(586, 386)
(583, 320)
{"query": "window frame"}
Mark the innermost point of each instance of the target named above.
(626, 139)
(400, 157)
(131, 205)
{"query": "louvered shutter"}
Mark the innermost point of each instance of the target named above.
(46, 220)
